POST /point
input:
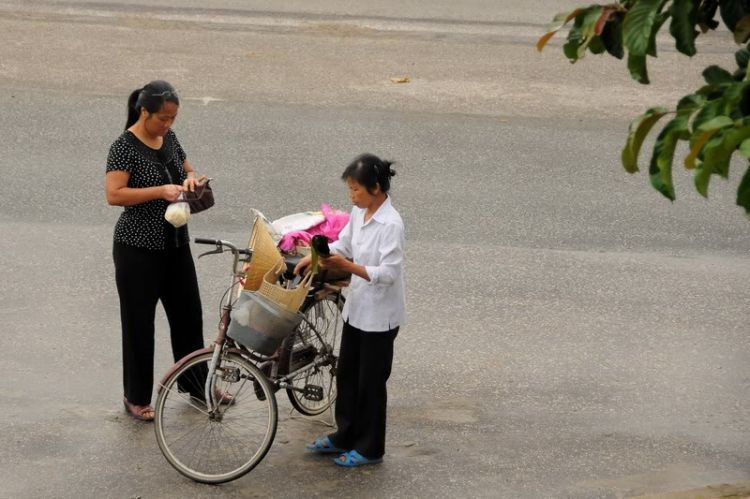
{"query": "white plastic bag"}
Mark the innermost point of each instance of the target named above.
(178, 214)
(298, 222)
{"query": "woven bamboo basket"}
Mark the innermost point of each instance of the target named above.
(266, 255)
(291, 299)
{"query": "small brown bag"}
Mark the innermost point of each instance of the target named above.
(200, 200)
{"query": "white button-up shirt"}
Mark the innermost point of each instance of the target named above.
(378, 245)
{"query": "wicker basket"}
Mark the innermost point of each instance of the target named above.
(260, 324)
(291, 299)
(266, 255)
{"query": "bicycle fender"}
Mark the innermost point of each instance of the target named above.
(180, 363)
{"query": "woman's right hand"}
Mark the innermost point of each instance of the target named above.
(172, 192)
(303, 265)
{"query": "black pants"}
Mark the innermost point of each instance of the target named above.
(364, 366)
(143, 278)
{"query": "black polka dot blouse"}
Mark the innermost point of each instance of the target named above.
(143, 225)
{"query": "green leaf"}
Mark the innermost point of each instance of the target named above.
(658, 23)
(639, 128)
(742, 30)
(637, 67)
(710, 111)
(702, 134)
(710, 92)
(691, 102)
(612, 36)
(715, 74)
(732, 96)
(743, 192)
(590, 18)
(702, 176)
(732, 11)
(716, 123)
(314, 264)
(638, 24)
(718, 153)
(596, 46)
(560, 20)
(698, 147)
(706, 13)
(662, 158)
(742, 56)
(745, 148)
(575, 38)
(682, 27)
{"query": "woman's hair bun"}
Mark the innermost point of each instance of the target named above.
(388, 164)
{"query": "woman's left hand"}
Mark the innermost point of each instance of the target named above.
(334, 262)
(191, 182)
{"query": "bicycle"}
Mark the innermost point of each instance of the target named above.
(216, 412)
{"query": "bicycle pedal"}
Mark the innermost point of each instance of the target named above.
(313, 392)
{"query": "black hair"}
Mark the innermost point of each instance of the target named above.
(152, 98)
(369, 171)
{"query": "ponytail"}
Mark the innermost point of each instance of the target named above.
(134, 113)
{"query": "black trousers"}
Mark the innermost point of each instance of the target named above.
(143, 278)
(364, 366)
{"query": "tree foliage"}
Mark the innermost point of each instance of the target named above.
(714, 120)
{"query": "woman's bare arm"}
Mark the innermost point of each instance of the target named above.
(119, 194)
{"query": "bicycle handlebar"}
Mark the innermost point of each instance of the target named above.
(203, 240)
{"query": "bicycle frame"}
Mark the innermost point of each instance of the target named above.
(220, 343)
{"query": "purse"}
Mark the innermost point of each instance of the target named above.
(200, 200)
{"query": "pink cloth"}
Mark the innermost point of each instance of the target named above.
(334, 223)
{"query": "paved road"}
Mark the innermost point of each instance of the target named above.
(571, 333)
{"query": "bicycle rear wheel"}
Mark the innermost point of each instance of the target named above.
(223, 446)
(306, 347)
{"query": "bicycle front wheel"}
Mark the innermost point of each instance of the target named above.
(223, 445)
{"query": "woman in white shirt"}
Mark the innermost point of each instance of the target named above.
(375, 309)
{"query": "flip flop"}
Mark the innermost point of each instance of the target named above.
(353, 458)
(324, 446)
(138, 413)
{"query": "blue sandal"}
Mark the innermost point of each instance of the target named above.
(353, 458)
(324, 446)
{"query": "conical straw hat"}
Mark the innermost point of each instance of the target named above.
(265, 255)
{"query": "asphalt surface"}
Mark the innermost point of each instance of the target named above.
(571, 333)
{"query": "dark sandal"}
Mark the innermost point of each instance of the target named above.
(138, 413)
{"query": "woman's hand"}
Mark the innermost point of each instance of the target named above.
(191, 182)
(335, 262)
(303, 266)
(172, 192)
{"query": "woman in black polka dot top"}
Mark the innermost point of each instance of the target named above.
(146, 170)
